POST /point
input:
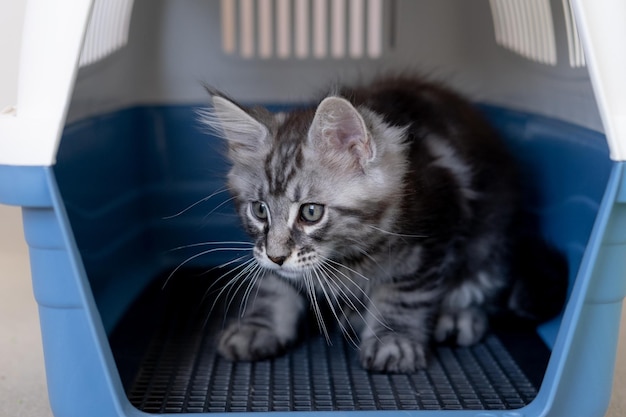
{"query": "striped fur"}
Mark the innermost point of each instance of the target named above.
(418, 200)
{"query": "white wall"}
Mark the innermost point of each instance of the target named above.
(22, 380)
(11, 19)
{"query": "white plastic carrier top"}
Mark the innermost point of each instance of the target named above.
(56, 40)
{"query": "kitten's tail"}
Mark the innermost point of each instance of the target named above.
(540, 274)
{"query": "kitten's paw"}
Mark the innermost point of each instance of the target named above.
(392, 353)
(463, 328)
(249, 342)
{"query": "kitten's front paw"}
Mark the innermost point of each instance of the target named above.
(392, 353)
(249, 342)
(464, 328)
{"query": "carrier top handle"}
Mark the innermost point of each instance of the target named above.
(51, 46)
(601, 27)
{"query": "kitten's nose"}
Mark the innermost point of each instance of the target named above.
(278, 260)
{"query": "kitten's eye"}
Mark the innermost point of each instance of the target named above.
(311, 213)
(259, 209)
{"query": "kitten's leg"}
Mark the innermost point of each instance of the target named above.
(463, 319)
(269, 325)
(464, 326)
(398, 328)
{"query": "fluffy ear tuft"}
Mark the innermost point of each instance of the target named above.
(245, 135)
(339, 131)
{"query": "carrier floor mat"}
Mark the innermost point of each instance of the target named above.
(165, 349)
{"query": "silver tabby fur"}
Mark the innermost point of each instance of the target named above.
(414, 244)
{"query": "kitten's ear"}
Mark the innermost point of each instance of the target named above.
(339, 128)
(246, 136)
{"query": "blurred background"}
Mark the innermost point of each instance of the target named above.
(22, 376)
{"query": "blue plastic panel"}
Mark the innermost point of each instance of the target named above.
(130, 180)
(565, 169)
(24, 186)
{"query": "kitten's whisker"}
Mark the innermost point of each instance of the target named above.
(316, 307)
(224, 265)
(254, 278)
(252, 184)
(195, 204)
(330, 302)
(396, 234)
(229, 272)
(356, 245)
(243, 276)
(191, 258)
(347, 267)
(362, 251)
(348, 333)
(337, 280)
(217, 208)
(260, 272)
(376, 313)
(249, 280)
(333, 278)
(241, 266)
(384, 271)
(229, 285)
(334, 270)
(234, 269)
(245, 245)
(230, 298)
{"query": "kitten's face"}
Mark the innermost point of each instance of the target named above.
(298, 210)
(308, 185)
(291, 237)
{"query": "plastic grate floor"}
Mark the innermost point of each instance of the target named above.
(179, 370)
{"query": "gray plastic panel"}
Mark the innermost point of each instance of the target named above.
(175, 45)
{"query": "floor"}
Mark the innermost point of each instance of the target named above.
(22, 378)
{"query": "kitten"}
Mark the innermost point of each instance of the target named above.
(393, 205)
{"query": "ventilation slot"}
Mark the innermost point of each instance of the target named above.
(525, 27)
(303, 29)
(576, 52)
(107, 30)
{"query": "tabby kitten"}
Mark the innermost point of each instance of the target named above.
(394, 206)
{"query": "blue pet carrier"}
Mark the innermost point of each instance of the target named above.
(105, 154)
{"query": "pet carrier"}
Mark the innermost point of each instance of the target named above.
(105, 154)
